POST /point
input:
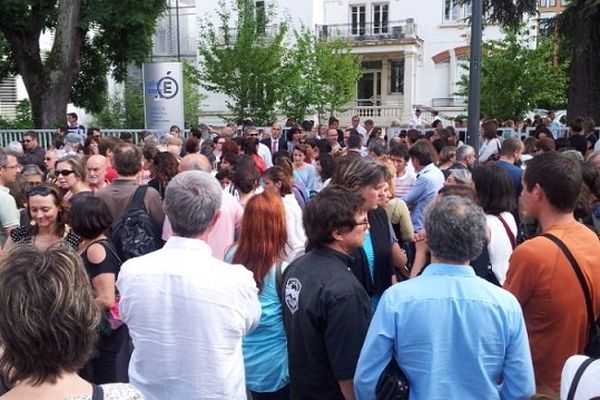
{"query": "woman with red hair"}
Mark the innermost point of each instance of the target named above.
(261, 249)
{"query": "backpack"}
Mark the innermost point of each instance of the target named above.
(135, 233)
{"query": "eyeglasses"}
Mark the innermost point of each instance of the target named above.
(39, 190)
(364, 223)
(64, 172)
(253, 135)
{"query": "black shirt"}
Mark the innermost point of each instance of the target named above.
(326, 314)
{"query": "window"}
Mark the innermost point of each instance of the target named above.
(456, 12)
(547, 3)
(396, 68)
(380, 18)
(358, 20)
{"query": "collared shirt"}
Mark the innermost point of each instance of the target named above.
(187, 313)
(265, 153)
(34, 156)
(453, 334)
(9, 214)
(429, 181)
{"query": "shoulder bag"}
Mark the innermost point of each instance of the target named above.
(392, 383)
(592, 347)
(577, 378)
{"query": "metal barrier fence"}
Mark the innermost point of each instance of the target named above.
(45, 136)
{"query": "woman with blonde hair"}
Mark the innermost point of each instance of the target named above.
(70, 176)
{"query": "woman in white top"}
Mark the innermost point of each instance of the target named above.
(275, 180)
(49, 330)
(495, 196)
(491, 142)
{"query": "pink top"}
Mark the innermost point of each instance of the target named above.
(222, 235)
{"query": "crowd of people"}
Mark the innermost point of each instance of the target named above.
(300, 262)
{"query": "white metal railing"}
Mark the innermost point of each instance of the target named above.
(45, 136)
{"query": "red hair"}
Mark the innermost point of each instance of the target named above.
(263, 236)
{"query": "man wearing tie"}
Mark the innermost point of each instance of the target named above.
(276, 142)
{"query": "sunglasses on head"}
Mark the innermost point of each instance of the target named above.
(39, 190)
(64, 172)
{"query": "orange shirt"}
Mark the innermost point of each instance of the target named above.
(542, 279)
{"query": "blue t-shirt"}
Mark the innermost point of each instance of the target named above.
(265, 349)
(370, 253)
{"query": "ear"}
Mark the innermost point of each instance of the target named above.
(337, 235)
(538, 192)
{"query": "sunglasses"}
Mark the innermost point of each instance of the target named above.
(38, 191)
(26, 141)
(64, 172)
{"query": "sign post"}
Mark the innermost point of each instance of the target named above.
(163, 95)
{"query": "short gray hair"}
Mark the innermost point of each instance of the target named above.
(31, 170)
(192, 199)
(462, 152)
(456, 228)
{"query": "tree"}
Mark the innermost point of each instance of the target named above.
(23, 119)
(578, 24)
(89, 37)
(515, 78)
(191, 94)
(245, 63)
(322, 76)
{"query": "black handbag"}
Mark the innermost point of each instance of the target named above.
(592, 347)
(392, 384)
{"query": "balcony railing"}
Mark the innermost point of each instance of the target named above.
(268, 33)
(370, 31)
(448, 102)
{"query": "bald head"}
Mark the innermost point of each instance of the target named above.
(194, 162)
(96, 167)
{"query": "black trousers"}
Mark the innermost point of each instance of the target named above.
(111, 360)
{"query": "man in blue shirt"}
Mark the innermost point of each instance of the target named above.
(429, 181)
(454, 335)
(510, 153)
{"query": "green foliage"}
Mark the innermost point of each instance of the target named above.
(508, 13)
(191, 94)
(261, 73)
(322, 76)
(123, 111)
(122, 34)
(516, 78)
(126, 110)
(23, 120)
(245, 63)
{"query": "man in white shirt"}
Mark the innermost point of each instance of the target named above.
(359, 128)
(416, 121)
(9, 214)
(263, 151)
(186, 310)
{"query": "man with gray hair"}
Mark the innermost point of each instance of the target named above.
(467, 333)
(223, 233)
(465, 159)
(9, 214)
(187, 311)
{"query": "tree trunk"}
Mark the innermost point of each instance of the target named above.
(584, 86)
(49, 82)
